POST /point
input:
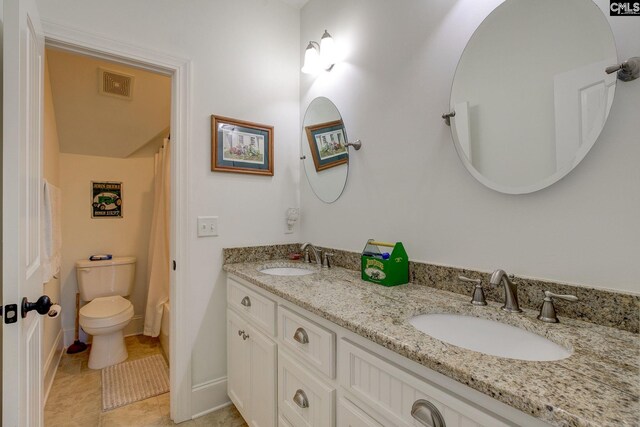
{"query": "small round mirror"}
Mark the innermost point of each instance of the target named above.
(530, 93)
(324, 154)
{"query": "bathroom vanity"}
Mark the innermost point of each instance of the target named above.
(327, 349)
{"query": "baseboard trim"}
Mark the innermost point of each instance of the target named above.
(208, 411)
(209, 396)
(51, 365)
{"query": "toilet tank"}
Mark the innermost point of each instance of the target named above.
(105, 278)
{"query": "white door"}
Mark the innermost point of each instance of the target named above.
(23, 58)
(582, 100)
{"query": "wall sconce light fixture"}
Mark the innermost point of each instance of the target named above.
(318, 57)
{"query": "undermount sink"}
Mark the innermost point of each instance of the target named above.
(489, 337)
(286, 271)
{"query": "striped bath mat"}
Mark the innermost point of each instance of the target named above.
(130, 382)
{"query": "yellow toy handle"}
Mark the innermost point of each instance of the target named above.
(382, 244)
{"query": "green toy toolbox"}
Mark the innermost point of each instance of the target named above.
(387, 268)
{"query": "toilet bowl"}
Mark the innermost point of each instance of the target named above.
(105, 284)
(105, 318)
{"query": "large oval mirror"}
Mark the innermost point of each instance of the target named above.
(324, 153)
(530, 93)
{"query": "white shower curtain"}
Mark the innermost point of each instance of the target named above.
(158, 262)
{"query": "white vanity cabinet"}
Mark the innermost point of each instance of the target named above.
(251, 359)
(328, 376)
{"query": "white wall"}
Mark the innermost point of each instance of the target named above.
(52, 343)
(407, 182)
(83, 236)
(245, 56)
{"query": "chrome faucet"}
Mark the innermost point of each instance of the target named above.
(510, 291)
(316, 253)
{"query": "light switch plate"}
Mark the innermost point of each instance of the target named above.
(207, 226)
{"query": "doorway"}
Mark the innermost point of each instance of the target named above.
(107, 157)
(178, 69)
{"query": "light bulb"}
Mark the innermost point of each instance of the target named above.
(311, 60)
(327, 51)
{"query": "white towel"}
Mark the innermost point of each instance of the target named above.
(52, 233)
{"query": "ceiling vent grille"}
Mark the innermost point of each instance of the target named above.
(115, 84)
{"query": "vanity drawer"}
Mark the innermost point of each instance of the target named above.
(260, 309)
(282, 422)
(394, 391)
(303, 399)
(349, 415)
(313, 343)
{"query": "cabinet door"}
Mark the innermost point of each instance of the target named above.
(238, 362)
(263, 380)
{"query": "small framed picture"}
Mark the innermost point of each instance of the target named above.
(327, 142)
(241, 147)
(106, 199)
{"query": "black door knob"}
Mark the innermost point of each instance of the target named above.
(42, 305)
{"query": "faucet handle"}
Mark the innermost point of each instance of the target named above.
(478, 293)
(549, 295)
(326, 259)
(548, 310)
(306, 258)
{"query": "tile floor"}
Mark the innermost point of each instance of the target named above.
(75, 398)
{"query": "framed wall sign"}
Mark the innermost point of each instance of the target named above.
(241, 147)
(327, 142)
(106, 199)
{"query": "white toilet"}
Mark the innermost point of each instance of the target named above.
(105, 284)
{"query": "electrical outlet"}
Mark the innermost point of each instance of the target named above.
(207, 226)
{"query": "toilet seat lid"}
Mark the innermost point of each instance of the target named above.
(102, 307)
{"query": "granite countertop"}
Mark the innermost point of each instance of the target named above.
(598, 385)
